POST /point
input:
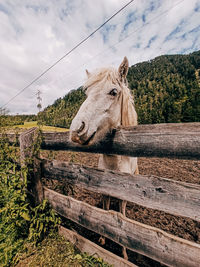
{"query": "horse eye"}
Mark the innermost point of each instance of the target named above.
(113, 92)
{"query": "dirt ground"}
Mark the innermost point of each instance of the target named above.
(180, 170)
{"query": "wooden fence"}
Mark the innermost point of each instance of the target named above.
(178, 198)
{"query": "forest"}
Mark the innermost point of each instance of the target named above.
(165, 89)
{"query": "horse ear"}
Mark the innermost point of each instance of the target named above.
(123, 69)
(88, 73)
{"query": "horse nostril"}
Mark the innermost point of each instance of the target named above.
(82, 127)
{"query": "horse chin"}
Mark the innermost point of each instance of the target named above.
(97, 137)
(90, 141)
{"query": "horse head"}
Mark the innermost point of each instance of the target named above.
(108, 105)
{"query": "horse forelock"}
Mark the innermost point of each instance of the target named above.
(102, 76)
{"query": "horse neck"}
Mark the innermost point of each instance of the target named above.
(116, 162)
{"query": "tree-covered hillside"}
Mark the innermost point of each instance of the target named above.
(166, 89)
(61, 113)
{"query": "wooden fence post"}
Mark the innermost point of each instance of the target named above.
(32, 161)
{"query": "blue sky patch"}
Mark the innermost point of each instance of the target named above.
(197, 8)
(175, 31)
(3, 9)
(137, 45)
(106, 31)
(151, 41)
(153, 6)
(143, 18)
(38, 8)
(129, 20)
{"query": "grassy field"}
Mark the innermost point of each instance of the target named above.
(30, 124)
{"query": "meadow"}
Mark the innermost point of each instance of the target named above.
(30, 124)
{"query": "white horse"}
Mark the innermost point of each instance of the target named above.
(109, 105)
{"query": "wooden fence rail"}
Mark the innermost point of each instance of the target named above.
(176, 140)
(159, 140)
(178, 198)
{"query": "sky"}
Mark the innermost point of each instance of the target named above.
(36, 33)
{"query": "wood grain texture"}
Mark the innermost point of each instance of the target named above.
(178, 140)
(178, 198)
(28, 159)
(85, 245)
(144, 239)
(26, 140)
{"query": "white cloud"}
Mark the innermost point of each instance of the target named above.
(35, 33)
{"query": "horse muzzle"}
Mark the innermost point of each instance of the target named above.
(76, 138)
(77, 134)
(82, 139)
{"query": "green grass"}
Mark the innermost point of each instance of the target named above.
(53, 251)
(30, 124)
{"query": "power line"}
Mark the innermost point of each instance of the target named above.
(115, 44)
(69, 52)
(129, 35)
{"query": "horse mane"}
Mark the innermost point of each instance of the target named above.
(110, 76)
(128, 113)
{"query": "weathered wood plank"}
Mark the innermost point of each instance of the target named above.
(157, 140)
(26, 140)
(144, 239)
(178, 140)
(28, 158)
(85, 245)
(178, 198)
